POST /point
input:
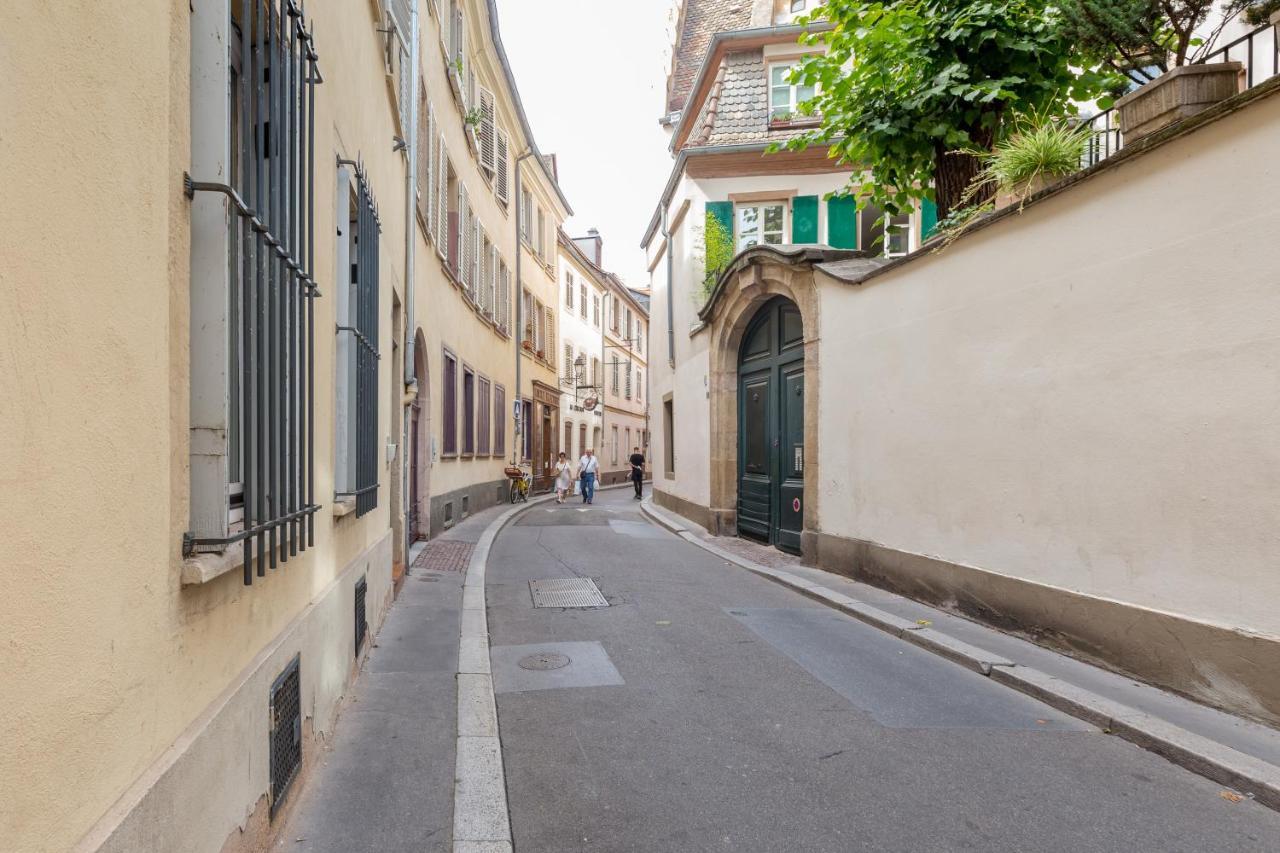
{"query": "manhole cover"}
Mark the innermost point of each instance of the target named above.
(543, 661)
(566, 592)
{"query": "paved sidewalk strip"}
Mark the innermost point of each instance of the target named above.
(1248, 774)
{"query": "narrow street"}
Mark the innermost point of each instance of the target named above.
(709, 709)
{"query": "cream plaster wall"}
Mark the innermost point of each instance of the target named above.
(584, 335)
(108, 660)
(1085, 395)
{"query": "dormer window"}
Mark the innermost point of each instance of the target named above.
(785, 97)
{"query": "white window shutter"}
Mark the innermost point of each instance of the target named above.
(502, 154)
(442, 201)
(477, 284)
(464, 238)
(488, 142)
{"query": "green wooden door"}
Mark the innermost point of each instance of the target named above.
(771, 427)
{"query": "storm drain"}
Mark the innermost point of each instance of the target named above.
(566, 592)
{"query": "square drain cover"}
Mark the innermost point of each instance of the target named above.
(566, 592)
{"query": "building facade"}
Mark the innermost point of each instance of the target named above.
(582, 350)
(300, 329)
(487, 205)
(626, 397)
(1075, 446)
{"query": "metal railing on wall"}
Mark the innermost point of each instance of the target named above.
(1258, 50)
(272, 283)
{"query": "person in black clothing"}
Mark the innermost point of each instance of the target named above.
(637, 472)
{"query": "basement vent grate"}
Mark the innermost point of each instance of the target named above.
(362, 614)
(566, 592)
(286, 733)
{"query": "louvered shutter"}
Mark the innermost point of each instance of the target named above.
(464, 239)
(488, 141)
(477, 285)
(551, 336)
(442, 201)
(424, 163)
(491, 281)
(502, 149)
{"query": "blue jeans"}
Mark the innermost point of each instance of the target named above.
(588, 487)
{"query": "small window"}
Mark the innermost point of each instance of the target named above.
(893, 241)
(468, 411)
(668, 435)
(786, 97)
(499, 420)
(483, 417)
(450, 405)
(761, 223)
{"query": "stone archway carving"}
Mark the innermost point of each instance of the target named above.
(755, 279)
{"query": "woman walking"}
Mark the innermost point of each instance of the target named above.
(564, 478)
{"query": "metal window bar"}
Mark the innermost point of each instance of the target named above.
(365, 334)
(273, 228)
(1104, 127)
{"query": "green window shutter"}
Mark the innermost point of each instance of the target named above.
(804, 219)
(928, 219)
(721, 211)
(842, 222)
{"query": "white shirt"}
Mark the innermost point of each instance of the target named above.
(588, 464)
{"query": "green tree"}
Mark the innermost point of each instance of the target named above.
(1145, 38)
(911, 89)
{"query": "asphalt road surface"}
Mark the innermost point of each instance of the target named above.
(708, 709)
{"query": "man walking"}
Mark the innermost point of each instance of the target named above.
(637, 471)
(588, 465)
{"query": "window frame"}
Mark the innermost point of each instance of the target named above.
(792, 114)
(740, 207)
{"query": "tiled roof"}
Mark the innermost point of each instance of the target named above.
(702, 20)
(737, 109)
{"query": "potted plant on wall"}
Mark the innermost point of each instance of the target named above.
(527, 343)
(1160, 45)
(1036, 154)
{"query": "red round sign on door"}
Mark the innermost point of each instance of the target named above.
(795, 505)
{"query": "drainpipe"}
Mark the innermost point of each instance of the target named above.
(671, 302)
(518, 443)
(410, 247)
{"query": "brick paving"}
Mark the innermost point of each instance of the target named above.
(444, 555)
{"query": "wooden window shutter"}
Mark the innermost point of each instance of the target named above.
(464, 239)
(842, 222)
(804, 219)
(425, 161)
(502, 153)
(442, 202)
(488, 140)
(929, 209)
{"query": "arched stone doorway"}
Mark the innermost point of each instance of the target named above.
(771, 421)
(756, 278)
(420, 446)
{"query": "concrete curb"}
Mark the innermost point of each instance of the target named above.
(1202, 756)
(481, 813)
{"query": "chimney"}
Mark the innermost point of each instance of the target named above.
(592, 246)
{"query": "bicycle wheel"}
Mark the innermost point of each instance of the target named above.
(514, 491)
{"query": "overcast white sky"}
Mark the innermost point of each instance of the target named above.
(591, 78)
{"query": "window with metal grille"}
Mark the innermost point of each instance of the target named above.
(285, 738)
(356, 463)
(499, 420)
(252, 281)
(449, 400)
(482, 416)
(362, 612)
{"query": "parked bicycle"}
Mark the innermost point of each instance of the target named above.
(521, 483)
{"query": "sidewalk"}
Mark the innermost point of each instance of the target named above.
(385, 781)
(1228, 749)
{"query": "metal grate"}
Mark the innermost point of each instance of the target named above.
(362, 615)
(566, 592)
(286, 733)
